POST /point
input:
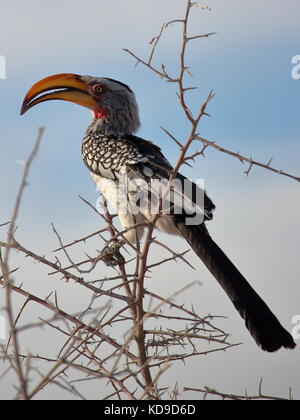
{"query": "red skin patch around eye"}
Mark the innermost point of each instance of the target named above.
(100, 113)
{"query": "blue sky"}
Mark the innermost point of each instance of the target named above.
(255, 111)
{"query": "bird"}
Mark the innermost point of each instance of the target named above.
(124, 168)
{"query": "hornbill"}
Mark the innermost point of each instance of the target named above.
(111, 151)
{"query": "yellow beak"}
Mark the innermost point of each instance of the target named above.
(66, 86)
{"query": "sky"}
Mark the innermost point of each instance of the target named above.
(248, 64)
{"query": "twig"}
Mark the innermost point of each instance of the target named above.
(4, 262)
(224, 396)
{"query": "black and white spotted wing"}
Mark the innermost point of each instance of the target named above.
(114, 155)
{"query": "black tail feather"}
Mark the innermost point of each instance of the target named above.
(263, 325)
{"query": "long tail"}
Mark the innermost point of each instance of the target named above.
(263, 325)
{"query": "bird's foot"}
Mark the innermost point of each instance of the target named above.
(111, 255)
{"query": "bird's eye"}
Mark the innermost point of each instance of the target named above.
(98, 89)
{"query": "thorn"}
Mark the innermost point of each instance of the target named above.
(190, 88)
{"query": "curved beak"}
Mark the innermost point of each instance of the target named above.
(64, 86)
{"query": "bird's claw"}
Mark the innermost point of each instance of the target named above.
(111, 255)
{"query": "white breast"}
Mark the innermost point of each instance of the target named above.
(119, 199)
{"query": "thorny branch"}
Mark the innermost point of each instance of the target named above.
(4, 263)
(183, 89)
(224, 396)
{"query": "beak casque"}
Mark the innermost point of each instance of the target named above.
(66, 86)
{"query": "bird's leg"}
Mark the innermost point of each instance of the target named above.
(111, 255)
